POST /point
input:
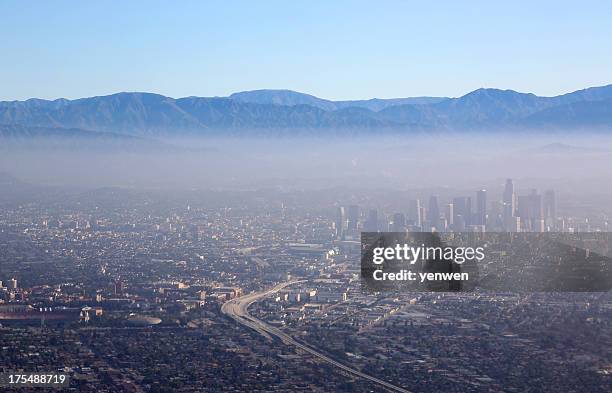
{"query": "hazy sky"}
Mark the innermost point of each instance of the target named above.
(333, 49)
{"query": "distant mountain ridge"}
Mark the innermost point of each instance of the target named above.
(19, 136)
(272, 111)
(292, 98)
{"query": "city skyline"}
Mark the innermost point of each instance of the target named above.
(509, 211)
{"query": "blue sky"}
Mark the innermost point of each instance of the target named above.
(332, 49)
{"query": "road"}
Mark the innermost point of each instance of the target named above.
(237, 309)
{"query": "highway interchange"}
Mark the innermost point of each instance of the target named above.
(237, 309)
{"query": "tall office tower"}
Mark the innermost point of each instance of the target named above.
(462, 206)
(529, 209)
(442, 225)
(481, 207)
(433, 215)
(550, 210)
(535, 205)
(509, 207)
(539, 226)
(513, 224)
(423, 215)
(13, 283)
(353, 217)
(495, 218)
(339, 222)
(509, 197)
(414, 212)
(450, 217)
(459, 223)
(522, 211)
(399, 223)
(371, 222)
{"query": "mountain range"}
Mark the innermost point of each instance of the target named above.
(284, 111)
(57, 138)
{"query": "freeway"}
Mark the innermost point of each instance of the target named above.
(237, 309)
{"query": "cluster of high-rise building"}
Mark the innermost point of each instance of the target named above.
(532, 212)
